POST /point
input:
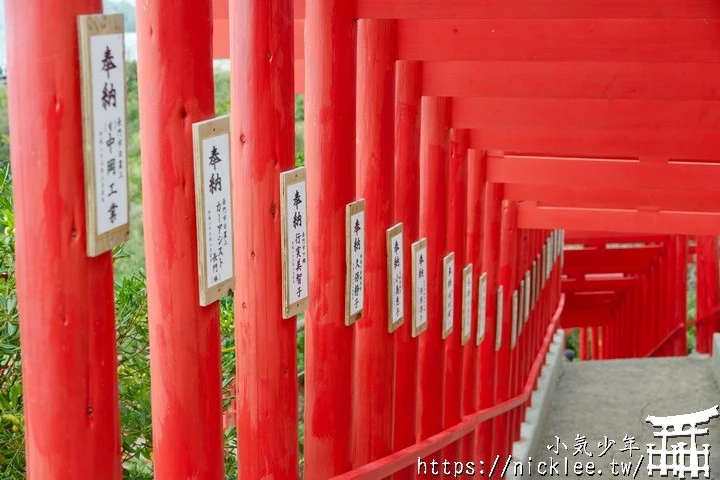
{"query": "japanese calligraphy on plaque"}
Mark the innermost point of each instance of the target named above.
(419, 287)
(467, 302)
(482, 308)
(102, 69)
(354, 260)
(213, 201)
(394, 239)
(514, 327)
(448, 294)
(293, 208)
(498, 327)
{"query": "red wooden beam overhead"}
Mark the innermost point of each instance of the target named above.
(460, 9)
(609, 80)
(604, 237)
(635, 260)
(584, 114)
(590, 40)
(669, 223)
(621, 284)
(692, 40)
(585, 318)
(609, 197)
(601, 173)
(673, 144)
(591, 300)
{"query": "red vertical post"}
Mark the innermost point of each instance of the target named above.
(65, 299)
(373, 408)
(595, 343)
(433, 221)
(600, 343)
(407, 196)
(456, 212)
(473, 253)
(582, 355)
(329, 138)
(680, 291)
(492, 209)
(506, 274)
(184, 337)
(263, 145)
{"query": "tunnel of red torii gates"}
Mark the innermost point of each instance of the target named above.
(497, 131)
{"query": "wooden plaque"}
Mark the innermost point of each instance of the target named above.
(419, 287)
(448, 294)
(521, 306)
(466, 303)
(526, 300)
(293, 214)
(533, 285)
(213, 207)
(102, 74)
(354, 260)
(482, 308)
(395, 276)
(499, 321)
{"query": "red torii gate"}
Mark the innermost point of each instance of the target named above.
(344, 431)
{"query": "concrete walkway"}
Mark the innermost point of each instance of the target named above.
(613, 398)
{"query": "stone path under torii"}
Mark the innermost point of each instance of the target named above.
(612, 398)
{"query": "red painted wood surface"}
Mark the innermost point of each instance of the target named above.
(262, 144)
(588, 40)
(433, 222)
(382, 468)
(629, 221)
(472, 368)
(506, 279)
(390, 9)
(65, 299)
(488, 360)
(184, 337)
(708, 291)
(456, 231)
(330, 156)
(572, 80)
(406, 191)
(373, 370)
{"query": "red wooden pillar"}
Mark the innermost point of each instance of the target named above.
(263, 145)
(456, 208)
(373, 407)
(488, 365)
(473, 253)
(506, 274)
(595, 343)
(600, 343)
(407, 185)
(582, 354)
(65, 299)
(184, 337)
(707, 291)
(330, 157)
(680, 293)
(433, 221)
